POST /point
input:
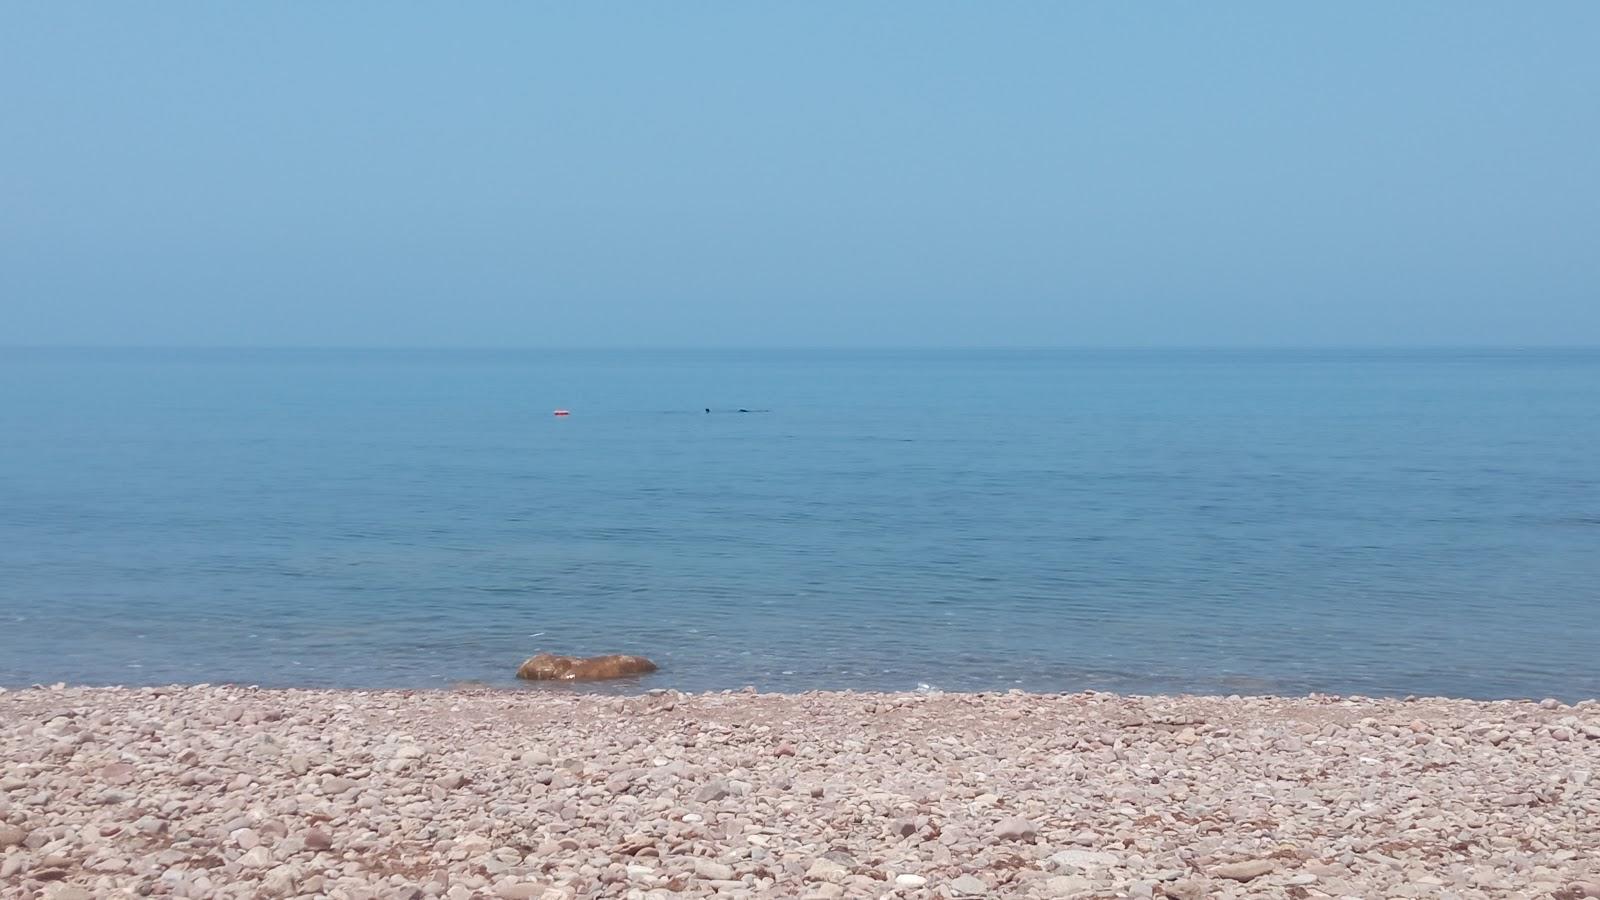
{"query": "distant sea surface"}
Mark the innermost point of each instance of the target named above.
(1392, 522)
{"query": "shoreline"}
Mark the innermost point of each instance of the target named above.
(487, 791)
(627, 687)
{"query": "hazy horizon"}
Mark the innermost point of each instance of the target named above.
(900, 175)
(842, 348)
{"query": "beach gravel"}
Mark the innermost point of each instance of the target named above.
(210, 791)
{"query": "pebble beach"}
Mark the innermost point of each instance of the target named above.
(224, 791)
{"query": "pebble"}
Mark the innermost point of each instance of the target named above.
(333, 785)
(256, 858)
(1188, 889)
(713, 871)
(1082, 859)
(1016, 828)
(1067, 886)
(1248, 870)
(969, 886)
(232, 792)
(826, 870)
(713, 791)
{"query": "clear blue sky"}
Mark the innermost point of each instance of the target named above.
(799, 174)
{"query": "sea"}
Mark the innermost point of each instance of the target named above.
(1375, 522)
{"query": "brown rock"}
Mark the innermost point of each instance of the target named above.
(549, 667)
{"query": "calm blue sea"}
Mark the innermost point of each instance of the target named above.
(1256, 522)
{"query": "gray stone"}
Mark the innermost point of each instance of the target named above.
(1067, 886)
(1082, 860)
(969, 886)
(1016, 828)
(826, 870)
(712, 791)
(256, 858)
(1248, 870)
(713, 871)
(333, 785)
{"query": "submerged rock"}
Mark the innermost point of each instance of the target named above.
(550, 667)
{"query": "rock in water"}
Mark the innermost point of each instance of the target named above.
(550, 667)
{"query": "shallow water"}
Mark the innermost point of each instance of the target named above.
(1251, 522)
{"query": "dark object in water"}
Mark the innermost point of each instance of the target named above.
(708, 409)
(550, 667)
(744, 410)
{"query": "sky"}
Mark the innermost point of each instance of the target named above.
(805, 174)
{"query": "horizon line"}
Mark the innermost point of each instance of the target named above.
(798, 347)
